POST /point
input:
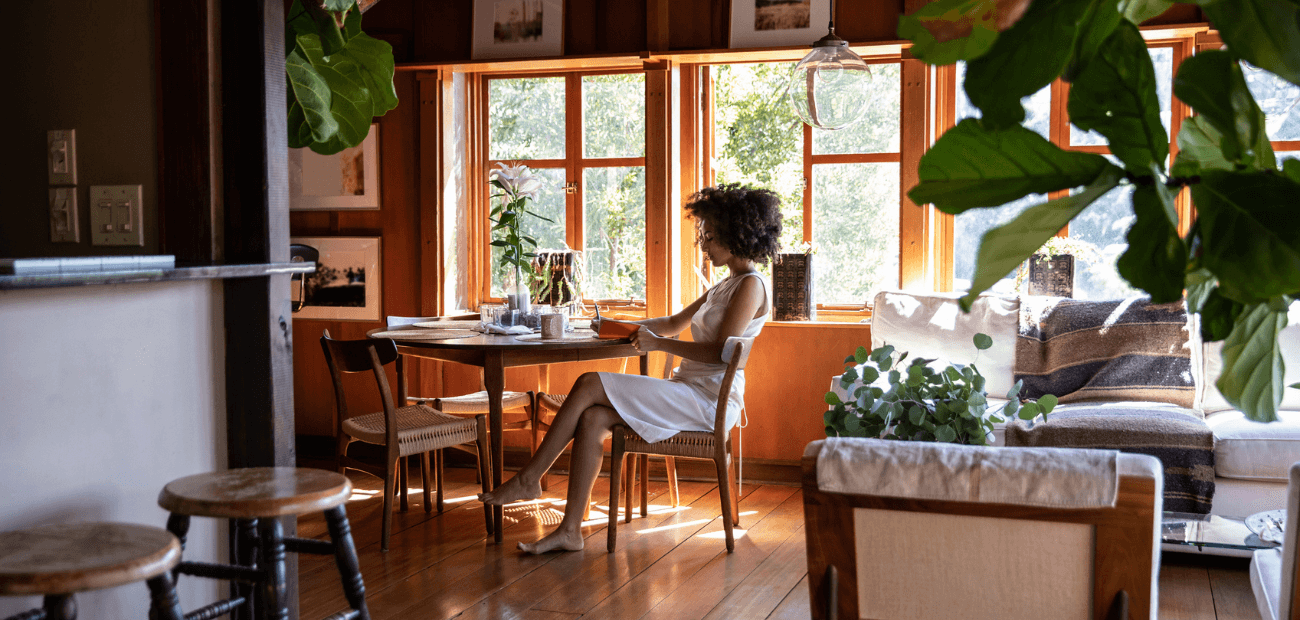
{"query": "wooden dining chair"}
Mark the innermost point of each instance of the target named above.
(402, 431)
(477, 402)
(712, 445)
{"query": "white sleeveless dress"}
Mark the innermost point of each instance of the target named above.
(657, 409)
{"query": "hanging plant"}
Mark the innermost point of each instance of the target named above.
(339, 77)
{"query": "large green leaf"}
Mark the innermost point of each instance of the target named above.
(950, 14)
(1200, 283)
(1156, 258)
(350, 102)
(1249, 233)
(1291, 168)
(313, 96)
(1212, 83)
(1023, 60)
(1252, 362)
(1116, 96)
(1008, 245)
(1095, 27)
(376, 59)
(974, 166)
(1265, 33)
(1138, 11)
(1218, 316)
(1199, 148)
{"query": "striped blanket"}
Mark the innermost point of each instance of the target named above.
(1120, 350)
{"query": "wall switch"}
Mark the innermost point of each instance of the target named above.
(61, 156)
(63, 215)
(116, 215)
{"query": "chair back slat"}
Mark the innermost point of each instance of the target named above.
(736, 352)
(354, 355)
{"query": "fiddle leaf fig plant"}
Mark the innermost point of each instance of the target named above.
(919, 402)
(339, 77)
(1239, 262)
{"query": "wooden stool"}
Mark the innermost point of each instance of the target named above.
(255, 497)
(61, 560)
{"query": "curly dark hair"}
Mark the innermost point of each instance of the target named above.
(746, 220)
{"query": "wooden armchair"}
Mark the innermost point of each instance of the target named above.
(402, 431)
(1024, 541)
(714, 445)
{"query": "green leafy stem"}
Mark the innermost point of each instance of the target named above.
(1238, 265)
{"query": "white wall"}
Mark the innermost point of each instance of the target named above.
(106, 394)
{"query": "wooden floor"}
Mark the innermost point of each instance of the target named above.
(672, 564)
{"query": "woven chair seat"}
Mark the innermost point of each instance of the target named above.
(687, 444)
(551, 402)
(478, 402)
(419, 429)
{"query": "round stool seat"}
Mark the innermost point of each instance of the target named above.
(255, 492)
(67, 558)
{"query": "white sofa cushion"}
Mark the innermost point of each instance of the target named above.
(1266, 581)
(932, 325)
(1289, 340)
(1254, 450)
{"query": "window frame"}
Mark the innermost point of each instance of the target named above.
(574, 163)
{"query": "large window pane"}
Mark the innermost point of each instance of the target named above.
(1038, 106)
(968, 230)
(757, 139)
(549, 235)
(1163, 60)
(526, 118)
(613, 115)
(855, 228)
(1279, 99)
(878, 130)
(1105, 225)
(614, 228)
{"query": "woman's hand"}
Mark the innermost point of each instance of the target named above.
(644, 340)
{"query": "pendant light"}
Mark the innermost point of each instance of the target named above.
(829, 86)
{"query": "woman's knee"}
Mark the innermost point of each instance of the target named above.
(599, 419)
(588, 381)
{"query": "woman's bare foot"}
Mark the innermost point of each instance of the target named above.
(559, 540)
(513, 490)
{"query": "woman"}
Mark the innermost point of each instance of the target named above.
(738, 227)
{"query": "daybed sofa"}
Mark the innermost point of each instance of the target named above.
(1250, 460)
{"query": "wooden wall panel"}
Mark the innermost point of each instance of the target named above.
(442, 29)
(397, 224)
(867, 20)
(698, 25)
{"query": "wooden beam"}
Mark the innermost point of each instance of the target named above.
(913, 219)
(189, 205)
(657, 25)
(661, 207)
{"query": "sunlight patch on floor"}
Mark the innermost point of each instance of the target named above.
(675, 526)
(723, 534)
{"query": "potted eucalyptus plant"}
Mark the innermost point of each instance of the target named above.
(920, 402)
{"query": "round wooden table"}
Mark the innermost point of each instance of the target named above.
(495, 353)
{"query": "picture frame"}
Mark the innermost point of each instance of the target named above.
(776, 23)
(348, 180)
(517, 28)
(347, 284)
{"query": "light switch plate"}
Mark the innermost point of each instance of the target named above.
(61, 156)
(63, 215)
(116, 215)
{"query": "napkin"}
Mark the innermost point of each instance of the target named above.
(493, 328)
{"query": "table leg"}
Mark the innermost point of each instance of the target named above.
(494, 380)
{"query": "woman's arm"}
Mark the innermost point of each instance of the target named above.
(745, 305)
(664, 325)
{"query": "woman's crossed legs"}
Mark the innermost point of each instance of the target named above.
(587, 418)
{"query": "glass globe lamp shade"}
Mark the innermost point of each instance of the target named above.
(828, 88)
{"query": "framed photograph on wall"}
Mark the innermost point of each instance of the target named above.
(517, 28)
(346, 285)
(776, 23)
(347, 180)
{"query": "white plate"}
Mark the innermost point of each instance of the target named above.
(1268, 524)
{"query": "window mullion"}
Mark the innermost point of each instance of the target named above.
(573, 166)
(807, 182)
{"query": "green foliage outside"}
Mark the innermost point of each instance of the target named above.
(920, 403)
(340, 78)
(759, 141)
(526, 121)
(1240, 262)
